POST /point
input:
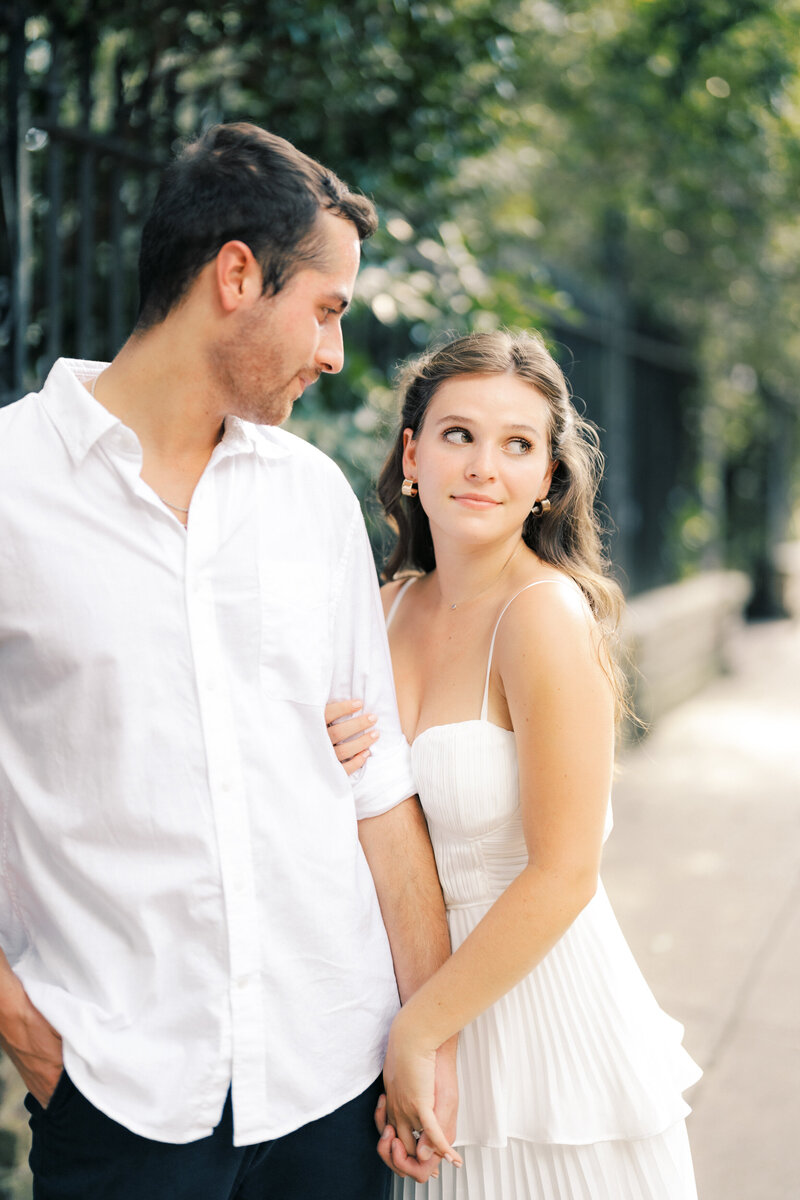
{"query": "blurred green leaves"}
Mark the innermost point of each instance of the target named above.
(528, 157)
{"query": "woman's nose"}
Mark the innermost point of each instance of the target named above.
(481, 463)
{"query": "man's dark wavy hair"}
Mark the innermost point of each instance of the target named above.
(238, 183)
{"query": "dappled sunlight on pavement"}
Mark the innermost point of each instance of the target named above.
(704, 871)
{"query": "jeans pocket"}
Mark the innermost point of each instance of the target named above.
(63, 1090)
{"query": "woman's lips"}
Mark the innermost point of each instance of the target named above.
(474, 500)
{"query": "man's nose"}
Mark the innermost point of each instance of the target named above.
(330, 352)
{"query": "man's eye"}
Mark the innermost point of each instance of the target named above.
(459, 437)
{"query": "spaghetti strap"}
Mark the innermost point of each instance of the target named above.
(485, 704)
(401, 591)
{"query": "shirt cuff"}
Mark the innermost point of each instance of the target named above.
(384, 781)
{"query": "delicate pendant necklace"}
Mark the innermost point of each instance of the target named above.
(489, 585)
(174, 507)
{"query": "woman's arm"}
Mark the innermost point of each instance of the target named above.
(398, 851)
(561, 708)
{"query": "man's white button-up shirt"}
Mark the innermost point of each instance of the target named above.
(183, 892)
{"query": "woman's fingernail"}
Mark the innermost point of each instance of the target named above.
(373, 735)
(372, 718)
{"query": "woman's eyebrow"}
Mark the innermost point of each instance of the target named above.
(455, 419)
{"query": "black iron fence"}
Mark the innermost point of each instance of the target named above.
(77, 178)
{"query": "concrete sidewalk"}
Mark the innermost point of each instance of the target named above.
(703, 869)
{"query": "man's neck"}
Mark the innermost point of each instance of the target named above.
(158, 386)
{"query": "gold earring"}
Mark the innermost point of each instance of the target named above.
(409, 487)
(540, 507)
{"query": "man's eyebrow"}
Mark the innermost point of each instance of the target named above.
(339, 300)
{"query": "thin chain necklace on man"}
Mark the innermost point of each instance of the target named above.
(174, 507)
(496, 579)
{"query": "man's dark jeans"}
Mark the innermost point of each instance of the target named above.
(78, 1153)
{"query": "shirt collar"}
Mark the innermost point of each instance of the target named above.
(82, 421)
(79, 418)
(243, 437)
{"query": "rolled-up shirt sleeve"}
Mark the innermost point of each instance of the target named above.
(363, 670)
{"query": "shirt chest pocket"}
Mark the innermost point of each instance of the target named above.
(295, 650)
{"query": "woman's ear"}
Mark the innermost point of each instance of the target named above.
(409, 454)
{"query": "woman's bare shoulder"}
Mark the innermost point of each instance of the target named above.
(389, 591)
(552, 619)
(549, 659)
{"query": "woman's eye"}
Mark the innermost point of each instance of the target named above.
(519, 446)
(459, 437)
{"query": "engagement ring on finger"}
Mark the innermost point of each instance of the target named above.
(416, 1134)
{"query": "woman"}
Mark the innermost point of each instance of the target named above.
(570, 1075)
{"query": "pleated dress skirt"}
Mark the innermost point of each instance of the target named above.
(653, 1168)
(570, 1085)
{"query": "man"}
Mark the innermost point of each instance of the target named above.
(196, 984)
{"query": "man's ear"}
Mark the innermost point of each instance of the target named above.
(238, 276)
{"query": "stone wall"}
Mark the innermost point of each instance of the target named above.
(676, 638)
(787, 558)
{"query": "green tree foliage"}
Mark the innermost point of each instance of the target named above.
(534, 161)
(394, 95)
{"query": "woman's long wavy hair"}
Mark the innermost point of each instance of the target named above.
(569, 535)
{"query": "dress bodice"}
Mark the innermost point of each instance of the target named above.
(467, 777)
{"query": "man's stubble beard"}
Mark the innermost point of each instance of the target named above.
(254, 385)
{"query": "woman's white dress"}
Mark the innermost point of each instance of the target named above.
(570, 1085)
